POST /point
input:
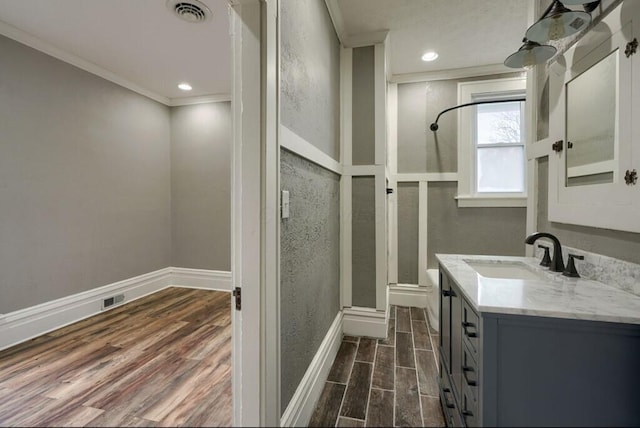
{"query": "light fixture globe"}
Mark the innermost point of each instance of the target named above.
(560, 22)
(530, 54)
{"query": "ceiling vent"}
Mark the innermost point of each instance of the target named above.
(191, 11)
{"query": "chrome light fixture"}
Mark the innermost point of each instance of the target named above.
(557, 22)
(530, 54)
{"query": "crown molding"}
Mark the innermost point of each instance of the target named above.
(366, 39)
(454, 73)
(204, 99)
(51, 50)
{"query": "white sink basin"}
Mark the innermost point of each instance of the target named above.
(504, 270)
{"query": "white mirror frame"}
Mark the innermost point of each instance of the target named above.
(610, 206)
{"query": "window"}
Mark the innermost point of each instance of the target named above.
(491, 144)
(499, 148)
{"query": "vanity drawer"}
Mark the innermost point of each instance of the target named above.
(470, 327)
(470, 374)
(447, 399)
(469, 406)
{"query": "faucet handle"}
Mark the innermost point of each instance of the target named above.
(570, 270)
(546, 259)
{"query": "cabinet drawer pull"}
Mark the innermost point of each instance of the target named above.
(446, 402)
(465, 370)
(467, 413)
(467, 333)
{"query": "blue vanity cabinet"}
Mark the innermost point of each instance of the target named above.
(521, 370)
(450, 348)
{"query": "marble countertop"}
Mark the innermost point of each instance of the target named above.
(554, 295)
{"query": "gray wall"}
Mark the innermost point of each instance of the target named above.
(408, 218)
(363, 247)
(419, 149)
(412, 134)
(310, 74)
(453, 230)
(620, 245)
(310, 239)
(363, 107)
(84, 180)
(450, 229)
(309, 265)
(201, 138)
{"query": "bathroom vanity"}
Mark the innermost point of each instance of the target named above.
(522, 346)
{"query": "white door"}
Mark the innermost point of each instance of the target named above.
(255, 202)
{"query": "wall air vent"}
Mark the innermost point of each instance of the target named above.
(192, 11)
(113, 300)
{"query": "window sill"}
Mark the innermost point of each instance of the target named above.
(472, 201)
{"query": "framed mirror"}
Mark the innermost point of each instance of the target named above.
(591, 129)
(592, 123)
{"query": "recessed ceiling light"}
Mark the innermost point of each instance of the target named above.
(185, 86)
(430, 56)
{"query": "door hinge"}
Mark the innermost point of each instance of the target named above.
(237, 293)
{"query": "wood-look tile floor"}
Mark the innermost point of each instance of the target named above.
(162, 360)
(385, 383)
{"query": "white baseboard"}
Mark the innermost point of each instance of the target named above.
(300, 409)
(25, 324)
(201, 278)
(408, 295)
(365, 322)
(433, 297)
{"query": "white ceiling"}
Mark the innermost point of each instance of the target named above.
(465, 33)
(140, 41)
(147, 47)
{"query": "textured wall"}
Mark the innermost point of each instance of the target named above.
(419, 149)
(453, 230)
(620, 245)
(310, 239)
(363, 250)
(450, 229)
(84, 180)
(408, 218)
(412, 129)
(309, 265)
(201, 142)
(363, 107)
(310, 74)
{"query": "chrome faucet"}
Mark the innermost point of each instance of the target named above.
(557, 264)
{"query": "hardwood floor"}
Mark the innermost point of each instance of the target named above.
(387, 383)
(163, 360)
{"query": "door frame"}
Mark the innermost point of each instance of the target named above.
(255, 213)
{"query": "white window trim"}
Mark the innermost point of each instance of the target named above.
(467, 195)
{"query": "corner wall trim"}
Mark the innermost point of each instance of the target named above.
(408, 295)
(24, 324)
(300, 409)
(365, 322)
(201, 278)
